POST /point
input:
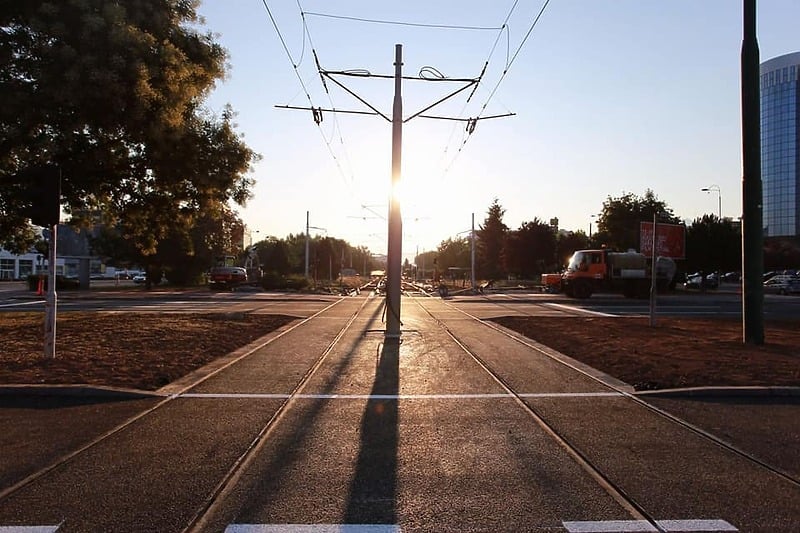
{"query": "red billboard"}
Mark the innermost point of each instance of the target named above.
(670, 240)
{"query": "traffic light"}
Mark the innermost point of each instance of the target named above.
(42, 191)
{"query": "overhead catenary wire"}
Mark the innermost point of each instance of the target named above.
(286, 49)
(403, 23)
(336, 123)
(425, 74)
(501, 30)
(337, 129)
(316, 111)
(470, 126)
(516, 53)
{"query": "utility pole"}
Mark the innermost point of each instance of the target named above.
(752, 219)
(395, 239)
(653, 273)
(472, 253)
(51, 301)
(395, 245)
(307, 237)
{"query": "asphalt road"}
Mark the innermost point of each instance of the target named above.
(726, 303)
(459, 428)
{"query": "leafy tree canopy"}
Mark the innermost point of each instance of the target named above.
(713, 245)
(530, 250)
(491, 242)
(618, 224)
(453, 253)
(111, 93)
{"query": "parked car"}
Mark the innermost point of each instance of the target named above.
(732, 277)
(226, 277)
(693, 281)
(139, 278)
(782, 284)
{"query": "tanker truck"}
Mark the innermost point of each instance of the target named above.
(629, 272)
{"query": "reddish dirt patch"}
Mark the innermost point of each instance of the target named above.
(137, 350)
(676, 353)
(147, 350)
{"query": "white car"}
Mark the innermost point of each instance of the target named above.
(139, 278)
(782, 284)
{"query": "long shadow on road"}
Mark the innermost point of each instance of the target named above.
(373, 491)
(290, 447)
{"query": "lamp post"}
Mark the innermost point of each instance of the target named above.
(653, 273)
(715, 188)
(249, 232)
(308, 236)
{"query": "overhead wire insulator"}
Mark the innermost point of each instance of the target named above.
(319, 69)
(317, 112)
(477, 81)
(471, 123)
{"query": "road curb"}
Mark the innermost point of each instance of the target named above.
(722, 392)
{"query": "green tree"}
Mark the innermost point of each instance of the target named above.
(566, 245)
(111, 93)
(424, 262)
(491, 243)
(453, 253)
(781, 253)
(531, 249)
(618, 224)
(713, 245)
(273, 254)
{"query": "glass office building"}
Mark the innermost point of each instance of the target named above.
(780, 145)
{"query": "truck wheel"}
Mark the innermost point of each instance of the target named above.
(582, 290)
(643, 290)
(629, 290)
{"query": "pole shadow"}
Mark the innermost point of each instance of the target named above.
(373, 490)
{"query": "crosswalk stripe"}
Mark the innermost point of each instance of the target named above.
(28, 529)
(642, 526)
(313, 528)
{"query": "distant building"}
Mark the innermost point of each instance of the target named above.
(73, 247)
(780, 145)
(14, 266)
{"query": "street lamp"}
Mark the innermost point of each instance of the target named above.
(715, 188)
(249, 233)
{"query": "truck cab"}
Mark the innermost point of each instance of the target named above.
(627, 272)
(585, 270)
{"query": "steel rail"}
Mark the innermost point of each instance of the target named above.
(227, 483)
(785, 476)
(68, 457)
(626, 501)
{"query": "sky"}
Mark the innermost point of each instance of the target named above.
(608, 97)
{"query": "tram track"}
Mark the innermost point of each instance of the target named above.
(635, 509)
(210, 504)
(167, 400)
(199, 521)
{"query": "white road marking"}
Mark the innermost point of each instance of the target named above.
(28, 529)
(312, 528)
(480, 396)
(635, 526)
(695, 525)
(609, 526)
(578, 309)
(33, 302)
